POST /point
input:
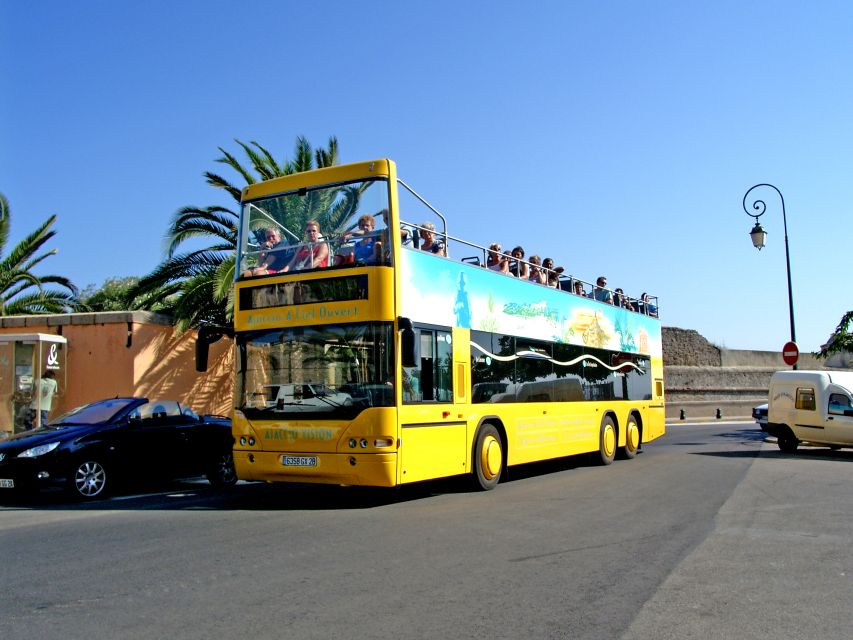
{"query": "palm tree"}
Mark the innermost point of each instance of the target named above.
(21, 291)
(195, 285)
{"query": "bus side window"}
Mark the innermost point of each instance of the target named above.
(431, 379)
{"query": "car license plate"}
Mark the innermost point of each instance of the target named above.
(299, 461)
(7, 483)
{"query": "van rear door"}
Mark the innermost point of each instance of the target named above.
(808, 420)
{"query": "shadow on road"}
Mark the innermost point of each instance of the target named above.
(258, 496)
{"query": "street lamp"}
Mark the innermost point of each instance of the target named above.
(759, 235)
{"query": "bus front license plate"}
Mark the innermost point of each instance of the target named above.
(299, 461)
(7, 483)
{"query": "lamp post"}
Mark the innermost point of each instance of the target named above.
(759, 235)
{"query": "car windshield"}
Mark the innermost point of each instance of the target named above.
(332, 225)
(331, 371)
(94, 413)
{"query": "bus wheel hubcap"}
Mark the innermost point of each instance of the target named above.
(490, 457)
(633, 436)
(609, 440)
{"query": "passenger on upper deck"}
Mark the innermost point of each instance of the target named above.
(516, 267)
(645, 306)
(578, 289)
(621, 300)
(428, 241)
(271, 257)
(600, 293)
(496, 260)
(537, 273)
(366, 250)
(314, 254)
(552, 272)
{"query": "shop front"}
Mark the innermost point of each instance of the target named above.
(32, 377)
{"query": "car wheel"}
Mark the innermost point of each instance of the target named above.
(787, 442)
(223, 473)
(89, 480)
(632, 439)
(488, 458)
(606, 441)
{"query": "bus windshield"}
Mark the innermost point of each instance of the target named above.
(331, 225)
(326, 372)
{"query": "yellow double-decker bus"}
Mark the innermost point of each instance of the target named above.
(374, 348)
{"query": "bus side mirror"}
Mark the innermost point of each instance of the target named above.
(202, 349)
(206, 337)
(408, 343)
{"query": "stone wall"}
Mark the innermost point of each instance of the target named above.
(701, 378)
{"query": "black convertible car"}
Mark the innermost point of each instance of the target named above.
(94, 447)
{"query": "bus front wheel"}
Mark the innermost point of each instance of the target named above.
(607, 441)
(488, 458)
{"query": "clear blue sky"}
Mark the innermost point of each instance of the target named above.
(617, 137)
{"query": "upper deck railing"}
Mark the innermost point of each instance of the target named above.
(472, 253)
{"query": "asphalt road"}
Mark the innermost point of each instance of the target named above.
(709, 533)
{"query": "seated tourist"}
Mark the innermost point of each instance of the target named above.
(272, 256)
(600, 293)
(314, 254)
(366, 250)
(496, 260)
(428, 241)
(645, 306)
(552, 273)
(621, 300)
(537, 273)
(518, 268)
(578, 288)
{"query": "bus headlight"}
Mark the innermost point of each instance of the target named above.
(363, 443)
(383, 442)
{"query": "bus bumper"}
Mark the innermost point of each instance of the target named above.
(365, 469)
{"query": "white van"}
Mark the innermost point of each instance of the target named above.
(811, 406)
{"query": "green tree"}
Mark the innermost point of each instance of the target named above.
(110, 296)
(195, 285)
(22, 292)
(841, 339)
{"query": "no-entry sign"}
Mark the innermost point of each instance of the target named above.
(790, 353)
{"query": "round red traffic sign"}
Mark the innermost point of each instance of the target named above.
(790, 353)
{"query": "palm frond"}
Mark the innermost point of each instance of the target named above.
(5, 213)
(302, 160)
(219, 182)
(277, 170)
(258, 162)
(232, 162)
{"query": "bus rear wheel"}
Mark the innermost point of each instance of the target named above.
(632, 439)
(607, 441)
(488, 458)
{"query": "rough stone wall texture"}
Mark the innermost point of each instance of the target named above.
(685, 347)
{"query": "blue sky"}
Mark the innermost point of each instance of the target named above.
(617, 137)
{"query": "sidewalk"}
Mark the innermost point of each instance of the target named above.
(709, 419)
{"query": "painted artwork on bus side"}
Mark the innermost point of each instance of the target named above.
(445, 292)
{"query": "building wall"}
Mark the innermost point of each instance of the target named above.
(132, 353)
(702, 379)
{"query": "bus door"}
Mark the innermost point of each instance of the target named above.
(433, 434)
